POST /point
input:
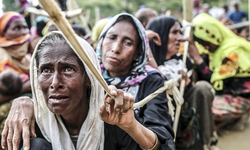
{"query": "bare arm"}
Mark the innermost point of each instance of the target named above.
(118, 112)
(19, 123)
(157, 40)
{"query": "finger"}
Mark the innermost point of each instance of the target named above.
(17, 133)
(157, 40)
(9, 137)
(112, 89)
(119, 100)
(126, 101)
(4, 135)
(108, 100)
(32, 128)
(26, 133)
(103, 113)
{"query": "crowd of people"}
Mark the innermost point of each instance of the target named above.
(50, 100)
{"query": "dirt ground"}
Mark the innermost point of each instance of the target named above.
(230, 140)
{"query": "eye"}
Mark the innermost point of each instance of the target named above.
(17, 28)
(111, 37)
(68, 69)
(46, 70)
(127, 42)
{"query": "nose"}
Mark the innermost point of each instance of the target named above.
(23, 31)
(116, 47)
(56, 82)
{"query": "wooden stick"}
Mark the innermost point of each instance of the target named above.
(187, 15)
(239, 25)
(67, 14)
(248, 14)
(54, 12)
(72, 5)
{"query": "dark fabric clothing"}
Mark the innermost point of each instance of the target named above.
(154, 115)
(235, 85)
(200, 97)
(39, 144)
(162, 27)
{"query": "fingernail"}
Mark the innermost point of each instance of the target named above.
(3, 147)
(35, 135)
(26, 148)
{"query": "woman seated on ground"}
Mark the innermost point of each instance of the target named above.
(14, 60)
(228, 69)
(123, 51)
(198, 97)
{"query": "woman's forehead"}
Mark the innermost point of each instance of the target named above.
(60, 50)
(18, 21)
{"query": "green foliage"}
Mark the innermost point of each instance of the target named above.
(10, 5)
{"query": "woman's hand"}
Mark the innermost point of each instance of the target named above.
(185, 77)
(118, 111)
(193, 51)
(20, 122)
(155, 36)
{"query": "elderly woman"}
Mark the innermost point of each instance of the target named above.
(123, 51)
(198, 97)
(228, 69)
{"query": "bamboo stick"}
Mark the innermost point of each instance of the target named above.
(67, 14)
(54, 12)
(240, 25)
(188, 16)
(249, 14)
(72, 4)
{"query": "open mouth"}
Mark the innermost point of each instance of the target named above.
(58, 99)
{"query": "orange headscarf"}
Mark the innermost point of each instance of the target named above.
(5, 21)
(13, 53)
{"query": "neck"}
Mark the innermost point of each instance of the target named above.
(169, 55)
(117, 74)
(74, 121)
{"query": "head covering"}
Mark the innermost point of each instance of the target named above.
(139, 72)
(91, 136)
(13, 53)
(162, 26)
(5, 21)
(97, 29)
(231, 59)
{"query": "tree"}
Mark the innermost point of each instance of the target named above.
(10, 5)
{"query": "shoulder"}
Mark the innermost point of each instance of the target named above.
(150, 85)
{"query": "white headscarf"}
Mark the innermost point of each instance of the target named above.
(91, 136)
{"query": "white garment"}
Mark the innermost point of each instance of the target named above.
(91, 136)
(171, 67)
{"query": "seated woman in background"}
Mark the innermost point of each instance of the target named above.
(198, 96)
(123, 50)
(228, 69)
(14, 49)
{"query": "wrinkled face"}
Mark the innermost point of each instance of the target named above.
(174, 39)
(62, 79)
(17, 28)
(119, 48)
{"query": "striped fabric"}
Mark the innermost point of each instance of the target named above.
(5, 21)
